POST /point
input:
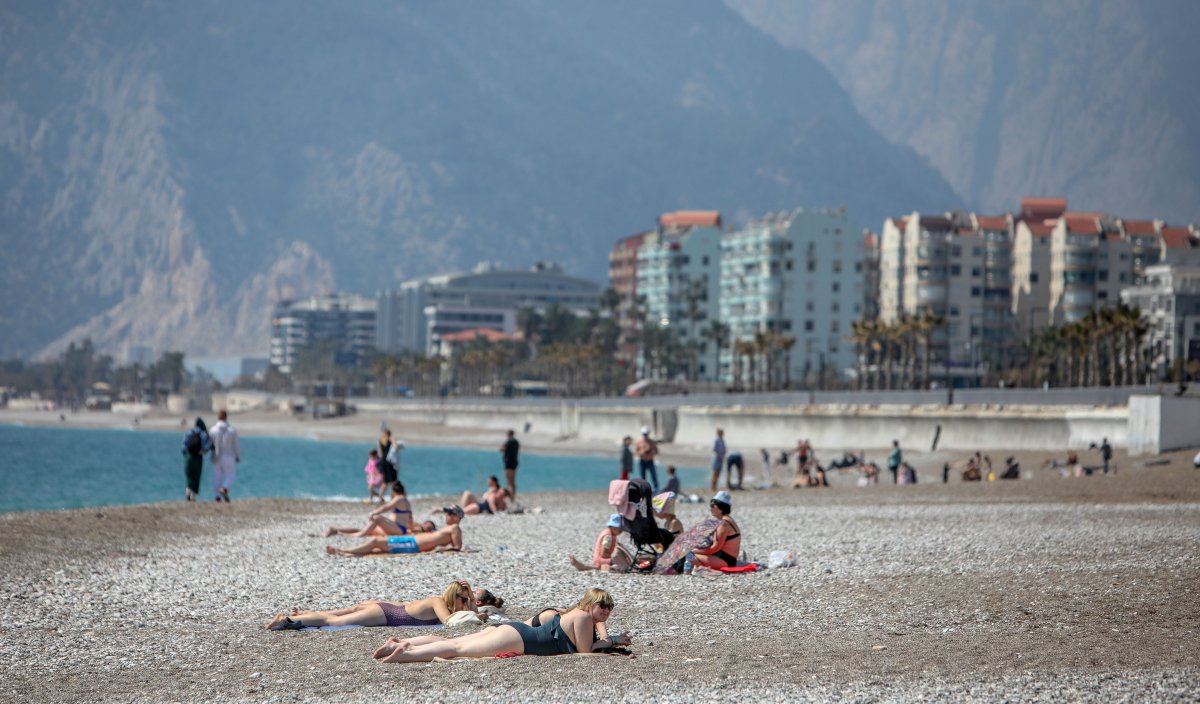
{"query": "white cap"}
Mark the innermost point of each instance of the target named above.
(645, 430)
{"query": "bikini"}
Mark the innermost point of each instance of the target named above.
(544, 638)
(729, 560)
(484, 507)
(397, 615)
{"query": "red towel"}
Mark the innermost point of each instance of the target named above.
(738, 569)
(509, 654)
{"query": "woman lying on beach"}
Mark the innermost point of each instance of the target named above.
(576, 631)
(393, 518)
(431, 611)
(495, 499)
(448, 538)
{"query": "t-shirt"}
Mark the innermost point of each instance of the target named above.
(672, 484)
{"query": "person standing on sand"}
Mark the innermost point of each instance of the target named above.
(509, 451)
(894, 459)
(226, 454)
(626, 457)
(646, 450)
(386, 468)
(196, 442)
(718, 457)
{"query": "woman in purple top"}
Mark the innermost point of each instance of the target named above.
(432, 611)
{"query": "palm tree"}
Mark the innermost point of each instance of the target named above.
(717, 333)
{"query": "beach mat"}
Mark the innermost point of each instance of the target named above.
(416, 554)
(348, 628)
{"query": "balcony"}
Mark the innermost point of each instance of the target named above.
(928, 294)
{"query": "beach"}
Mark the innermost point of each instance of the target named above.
(1081, 589)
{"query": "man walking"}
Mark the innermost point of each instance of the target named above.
(226, 455)
(1106, 455)
(718, 458)
(195, 443)
(646, 450)
(510, 449)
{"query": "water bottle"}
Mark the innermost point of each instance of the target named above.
(687, 564)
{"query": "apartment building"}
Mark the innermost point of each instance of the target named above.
(798, 274)
(678, 275)
(622, 278)
(344, 320)
(487, 297)
(955, 266)
(1169, 297)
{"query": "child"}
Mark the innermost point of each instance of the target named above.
(608, 555)
(374, 476)
(672, 481)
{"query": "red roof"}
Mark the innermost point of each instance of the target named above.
(988, 222)
(967, 231)
(1041, 229)
(690, 218)
(485, 333)
(630, 242)
(1178, 238)
(1139, 227)
(1042, 208)
(1082, 223)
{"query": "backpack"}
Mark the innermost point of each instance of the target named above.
(193, 444)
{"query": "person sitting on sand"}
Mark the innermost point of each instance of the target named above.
(393, 518)
(577, 631)
(664, 508)
(431, 611)
(727, 540)
(448, 538)
(495, 499)
(607, 555)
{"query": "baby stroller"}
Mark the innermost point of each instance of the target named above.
(642, 528)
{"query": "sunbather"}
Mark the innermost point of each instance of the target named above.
(727, 541)
(448, 538)
(431, 611)
(495, 499)
(573, 632)
(392, 518)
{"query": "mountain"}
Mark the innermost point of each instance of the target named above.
(170, 170)
(1089, 99)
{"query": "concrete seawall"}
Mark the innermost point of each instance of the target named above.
(840, 427)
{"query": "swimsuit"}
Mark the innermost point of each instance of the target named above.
(483, 507)
(545, 639)
(397, 615)
(729, 560)
(402, 544)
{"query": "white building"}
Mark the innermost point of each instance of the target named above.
(345, 320)
(404, 314)
(678, 273)
(1169, 298)
(799, 275)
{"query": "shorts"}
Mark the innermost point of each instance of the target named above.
(484, 507)
(402, 544)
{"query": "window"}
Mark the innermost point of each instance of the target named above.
(812, 264)
(836, 287)
(976, 272)
(975, 291)
(1033, 277)
(956, 251)
(858, 266)
(1123, 277)
(785, 325)
(1195, 329)
(836, 307)
(837, 266)
(808, 306)
(1102, 275)
(834, 327)
(954, 311)
(1102, 295)
(977, 251)
(788, 265)
(704, 261)
(808, 326)
(955, 270)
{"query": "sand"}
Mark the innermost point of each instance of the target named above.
(1082, 589)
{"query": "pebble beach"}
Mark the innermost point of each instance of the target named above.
(1046, 590)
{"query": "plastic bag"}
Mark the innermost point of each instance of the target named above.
(781, 558)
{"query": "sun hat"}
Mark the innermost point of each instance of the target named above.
(645, 430)
(664, 502)
(723, 497)
(453, 510)
(614, 521)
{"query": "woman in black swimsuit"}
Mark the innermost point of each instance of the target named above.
(727, 541)
(560, 634)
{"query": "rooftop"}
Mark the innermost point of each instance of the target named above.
(1035, 208)
(690, 218)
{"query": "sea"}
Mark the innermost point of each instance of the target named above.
(44, 468)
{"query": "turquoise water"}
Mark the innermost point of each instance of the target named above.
(50, 468)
